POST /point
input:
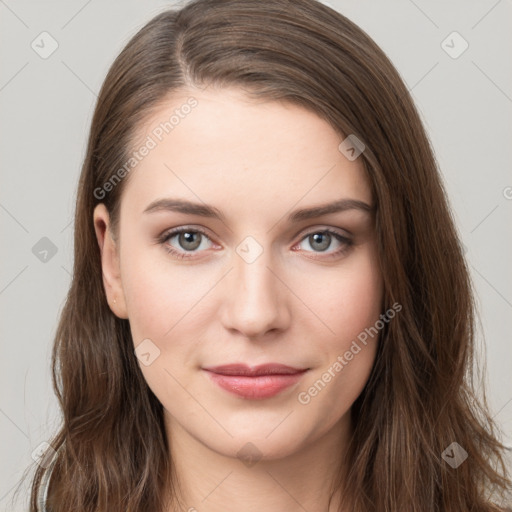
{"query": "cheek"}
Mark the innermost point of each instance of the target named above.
(351, 309)
(331, 392)
(347, 299)
(149, 310)
(160, 301)
(359, 307)
(159, 294)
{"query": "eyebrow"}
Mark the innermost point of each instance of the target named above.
(204, 210)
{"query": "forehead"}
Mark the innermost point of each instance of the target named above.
(237, 153)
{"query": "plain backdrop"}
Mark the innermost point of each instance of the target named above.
(46, 103)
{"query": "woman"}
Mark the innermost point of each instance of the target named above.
(270, 309)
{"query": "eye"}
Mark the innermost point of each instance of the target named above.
(321, 240)
(186, 240)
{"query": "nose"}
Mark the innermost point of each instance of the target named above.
(255, 299)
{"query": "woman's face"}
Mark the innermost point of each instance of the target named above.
(257, 277)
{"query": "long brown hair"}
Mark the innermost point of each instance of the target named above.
(112, 453)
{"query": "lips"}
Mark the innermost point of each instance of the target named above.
(256, 383)
(263, 369)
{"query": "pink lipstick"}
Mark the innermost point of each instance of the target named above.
(255, 383)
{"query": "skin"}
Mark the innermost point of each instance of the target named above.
(255, 162)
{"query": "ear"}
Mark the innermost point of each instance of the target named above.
(109, 262)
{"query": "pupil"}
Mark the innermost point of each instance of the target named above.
(187, 240)
(323, 239)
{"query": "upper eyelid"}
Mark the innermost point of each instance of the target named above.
(176, 231)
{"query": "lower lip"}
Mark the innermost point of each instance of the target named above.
(255, 388)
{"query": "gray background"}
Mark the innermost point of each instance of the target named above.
(46, 107)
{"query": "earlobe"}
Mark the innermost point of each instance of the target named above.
(109, 252)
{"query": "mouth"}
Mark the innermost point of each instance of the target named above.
(255, 383)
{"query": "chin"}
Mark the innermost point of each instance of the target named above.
(251, 449)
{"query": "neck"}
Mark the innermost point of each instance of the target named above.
(207, 481)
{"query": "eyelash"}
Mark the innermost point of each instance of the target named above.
(347, 242)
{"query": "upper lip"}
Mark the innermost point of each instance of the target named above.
(263, 369)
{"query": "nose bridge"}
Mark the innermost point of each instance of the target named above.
(254, 276)
(255, 300)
